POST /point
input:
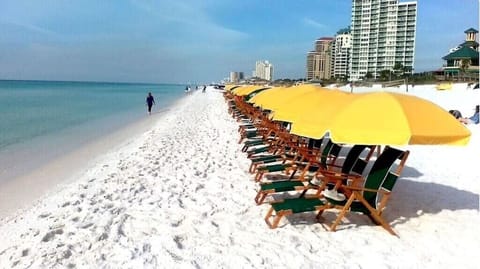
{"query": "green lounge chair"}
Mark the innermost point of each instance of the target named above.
(280, 154)
(371, 198)
(378, 180)
(354, 162)
(299, 162)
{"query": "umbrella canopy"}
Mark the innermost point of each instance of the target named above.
(235, 90)
(277, 97)
(313, 106)
(254, 93)
(395, 119)
(246, 90)
(263, 97)
(231, 87)
(314, 118)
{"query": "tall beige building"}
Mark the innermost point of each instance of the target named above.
(319, 61)
(236, 76)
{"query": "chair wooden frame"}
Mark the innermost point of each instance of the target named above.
(355, 193)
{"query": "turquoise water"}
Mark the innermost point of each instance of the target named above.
(35, 116)
(29, 109)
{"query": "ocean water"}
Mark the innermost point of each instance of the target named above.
(42, 119)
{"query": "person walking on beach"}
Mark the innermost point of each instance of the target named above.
(150, 102)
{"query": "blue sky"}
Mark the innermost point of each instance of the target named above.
(197, 41)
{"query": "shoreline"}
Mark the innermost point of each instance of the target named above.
(26, 188)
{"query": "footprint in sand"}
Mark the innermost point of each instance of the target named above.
(50, 235)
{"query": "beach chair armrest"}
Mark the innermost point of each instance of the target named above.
(353, 188)
(339, 175)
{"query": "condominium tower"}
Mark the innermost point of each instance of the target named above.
(319, 61)
(383, 34)
(341, 53)
(236, 76)
(264, 70)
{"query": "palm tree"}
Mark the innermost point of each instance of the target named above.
(385, 74)
(398, 69)
(464, 65)
(368, 76)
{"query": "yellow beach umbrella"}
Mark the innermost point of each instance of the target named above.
(246, 90)
(264, 97)
(313, 116)
(239, 88)
(312, 105)
(273, 100)
(230, 87)
(395, 119)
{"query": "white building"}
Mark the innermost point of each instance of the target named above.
(264, 70)
(341, 53)
(383, 34)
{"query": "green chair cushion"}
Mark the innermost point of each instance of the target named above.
(298, 205)
(272, 160)
(281, 186)
(265, 158)
(274, 167)
(254, 142)
(258, 150)
(355, 207)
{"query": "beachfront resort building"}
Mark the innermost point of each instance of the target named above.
(383, 35)
(319, 61)
(263, 70)
(236, 77)
(341, 53)
(464, 58)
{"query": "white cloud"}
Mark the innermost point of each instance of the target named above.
(31, 27)
(313, 23)
(190, 17)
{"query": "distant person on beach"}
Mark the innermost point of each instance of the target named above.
(474, 119)
(150, 102)
(204, 88)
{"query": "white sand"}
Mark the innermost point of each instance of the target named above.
(180, 196)
(32, 183)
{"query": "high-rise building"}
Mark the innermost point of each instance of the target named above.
(264, 70)
(313, 59)
(383, 35)
(319, 61)
(341, 53)
(236, 76)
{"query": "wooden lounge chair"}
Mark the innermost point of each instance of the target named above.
(371, 198)
(361, 199)
(354, 161)
(303, 160)
(280, 152)
(327, 158)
